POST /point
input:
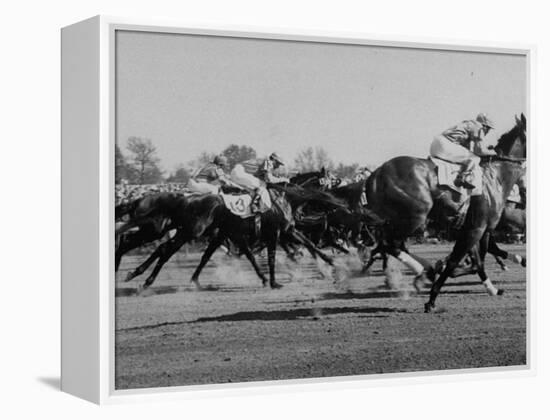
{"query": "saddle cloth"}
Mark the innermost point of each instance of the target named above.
(239, 204)
(446, 176)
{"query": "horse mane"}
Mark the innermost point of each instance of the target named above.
(351, 193)
(298, 178)
(299, 195)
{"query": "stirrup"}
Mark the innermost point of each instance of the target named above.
(258, 224)
(461, 181)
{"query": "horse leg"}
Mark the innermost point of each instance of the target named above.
(373, 257)
(376, 253)
(438, 284)
(500, 263)
(429, 269)
(120, 250)
(271, 250)
(483, 247)
(384, 261)
(245, 249)
(287, 246)
(399, 251)
(132, 240)
(467, 269)
(332, 243)
(494, 249)
(212, 246)
(146, 264)
(311, 247)
(165, 252)
(466, 242)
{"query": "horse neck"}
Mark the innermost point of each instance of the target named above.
(310, 182)
(508, 173)
(351, 193)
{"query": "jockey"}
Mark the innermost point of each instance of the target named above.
(362, 173)
(463, 144)
(209, 178)
(254, 173)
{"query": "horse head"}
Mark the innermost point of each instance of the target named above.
(513, 144)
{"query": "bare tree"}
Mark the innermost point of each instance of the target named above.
(144, 160)
(180, 175)
(203, 159)
(122, 171)
(237, 154)
(313, 159)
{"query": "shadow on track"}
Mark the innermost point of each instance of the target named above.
(294, 314)
(282, 315)
(162, 290)
(378, 294)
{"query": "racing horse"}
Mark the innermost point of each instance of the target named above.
(148, 218)
(349, 222)
(405, 190)
(318, 180)
(277, 225)
(511, 220)
(207, 216)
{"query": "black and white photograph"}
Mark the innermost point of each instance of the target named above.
(289, 209)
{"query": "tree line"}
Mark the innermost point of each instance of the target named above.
(140, 164)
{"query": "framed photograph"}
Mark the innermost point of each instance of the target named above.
(245, 208)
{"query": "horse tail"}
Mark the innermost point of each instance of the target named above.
(123, 209)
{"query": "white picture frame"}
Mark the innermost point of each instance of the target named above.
(88, 52)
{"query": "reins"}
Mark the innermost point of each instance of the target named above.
(490, 159)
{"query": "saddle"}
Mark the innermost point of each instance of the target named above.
(240, 203)
(447, 173)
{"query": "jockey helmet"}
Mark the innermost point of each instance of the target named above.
(220, 160)
(275, 157)
(484, 120)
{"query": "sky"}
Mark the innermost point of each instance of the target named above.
(363, 104)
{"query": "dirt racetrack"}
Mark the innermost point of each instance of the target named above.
(315, 326)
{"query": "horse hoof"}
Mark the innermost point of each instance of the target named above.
(129, 277)
(428, 307)
(419, 282)
(275, 285)
(500, 292)
(438, 267)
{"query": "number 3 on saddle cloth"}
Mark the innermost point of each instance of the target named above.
(239, 204)
(447, 173)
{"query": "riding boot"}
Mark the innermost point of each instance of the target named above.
(255, 204)
(465, 179)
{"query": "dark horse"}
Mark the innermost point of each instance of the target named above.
(404, 191)
(155, 215)
(349, 222)
(277, 226)
(321, 180)
(207, 216)
(148, 218)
